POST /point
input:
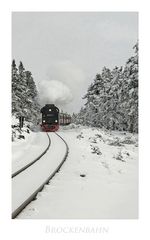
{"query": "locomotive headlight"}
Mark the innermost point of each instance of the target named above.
(43, 120)
(50, 110)
(55, 120)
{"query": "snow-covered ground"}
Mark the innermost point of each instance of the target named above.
(28, 181)
(25, 151)
(98, 180)
(27, 145)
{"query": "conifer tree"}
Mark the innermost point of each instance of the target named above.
(24, 94)
(15, 93)
(112, 98)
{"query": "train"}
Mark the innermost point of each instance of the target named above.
(52, 118)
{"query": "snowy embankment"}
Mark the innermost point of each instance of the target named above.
(98, 180)
(27, 145)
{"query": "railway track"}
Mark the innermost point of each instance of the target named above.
(32, 162)
(31, 180)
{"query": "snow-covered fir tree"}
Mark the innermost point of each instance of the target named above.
(24, 94)
(129, 97)
(15, 93)
(112, 98)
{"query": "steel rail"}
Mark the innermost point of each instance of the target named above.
(32, 162)
(32, 197)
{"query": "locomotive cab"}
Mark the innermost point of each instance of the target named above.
(50, 117)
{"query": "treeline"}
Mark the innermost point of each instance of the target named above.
(24, 94)
(112, 98)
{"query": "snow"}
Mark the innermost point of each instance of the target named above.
(20, 134)
(28, 148)
(25, 151)
(99, 179)
(28, 181)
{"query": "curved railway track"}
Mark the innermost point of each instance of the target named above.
(32, 162)
(31, 180)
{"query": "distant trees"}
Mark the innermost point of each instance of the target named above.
(24, 93)
(112, 98)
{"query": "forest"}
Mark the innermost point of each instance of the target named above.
(111, 100)
(25, 97)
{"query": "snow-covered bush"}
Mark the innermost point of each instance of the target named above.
(18, 133)
(80, 136)
(128, 140)
(95, 149)
(114, 142)
(120, 157)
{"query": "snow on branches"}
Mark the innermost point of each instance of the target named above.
(24, 94)
(112, 98)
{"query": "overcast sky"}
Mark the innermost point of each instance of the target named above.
(64, 51)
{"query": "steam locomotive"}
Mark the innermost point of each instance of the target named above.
(52, 118)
